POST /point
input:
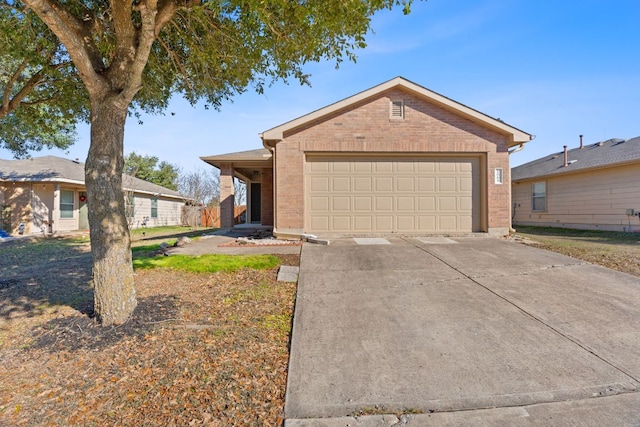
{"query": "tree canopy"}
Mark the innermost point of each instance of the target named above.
(132, 55)
(150, 169)
(42, 96)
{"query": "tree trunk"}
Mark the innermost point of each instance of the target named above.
(114, 293)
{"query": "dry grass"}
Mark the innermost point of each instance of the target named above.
(201, 349)
(618, 251)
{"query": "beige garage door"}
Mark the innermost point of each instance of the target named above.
(386, 195)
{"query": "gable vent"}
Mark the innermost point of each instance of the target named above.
(397, 109)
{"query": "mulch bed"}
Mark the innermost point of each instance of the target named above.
(200, 350)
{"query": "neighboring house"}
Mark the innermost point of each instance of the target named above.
(397, 158)
(47, 195)
(591, 187)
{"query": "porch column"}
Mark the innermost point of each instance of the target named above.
(266, 196)
(227, 196)
(55, 209)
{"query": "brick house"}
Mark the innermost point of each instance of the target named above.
(396, 158)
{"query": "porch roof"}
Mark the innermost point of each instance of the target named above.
(245, 163)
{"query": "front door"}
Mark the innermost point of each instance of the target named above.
(256, 197)
(83, 221)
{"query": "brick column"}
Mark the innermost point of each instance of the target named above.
(266, 196)
(227, 196)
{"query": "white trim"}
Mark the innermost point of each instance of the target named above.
(516, 136)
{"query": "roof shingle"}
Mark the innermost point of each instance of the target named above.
(53, 168)
(601, 154)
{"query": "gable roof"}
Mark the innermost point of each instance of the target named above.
(601, 154)
(58, 169)
(516, 136)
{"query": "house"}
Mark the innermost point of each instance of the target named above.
(396, 158)
(590, 187)
(47, 195)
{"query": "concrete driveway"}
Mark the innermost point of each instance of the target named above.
(465, 331)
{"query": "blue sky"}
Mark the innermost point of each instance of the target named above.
(555, 69)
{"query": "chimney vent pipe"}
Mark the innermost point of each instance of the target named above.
(581, 142)
(566, 157)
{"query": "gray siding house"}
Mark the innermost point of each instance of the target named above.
(592, 187)
(47, 195)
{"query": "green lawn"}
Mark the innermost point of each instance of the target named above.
(207, 263)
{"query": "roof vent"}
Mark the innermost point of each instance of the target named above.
(397, 109)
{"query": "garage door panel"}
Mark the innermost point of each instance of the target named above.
(448, 222)
(319, 183)
(341, 204)
(362, 203)
(383, 184)
(426, 204)
(341, 184)
(360, 167)
(384, 223)
(341, 223)
(374, 195)
(447, 166)
(339, 166)
(405, 184)
(426, 184)
(320, 203)
(447, 184)
(362, 223)
(405, 203)
(447, 204)
(320, 223)
(383, 167)
(384, 203)
(427, 223)
(362, 184)
(407, 167)
(425, 167)
(406, 223)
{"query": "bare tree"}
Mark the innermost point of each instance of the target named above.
(202, 187)
(240, 190)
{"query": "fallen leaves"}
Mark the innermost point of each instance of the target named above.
(202, 350)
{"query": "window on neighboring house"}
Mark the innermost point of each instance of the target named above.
(66, 203)
(129, 205)
(539, 196)
(154, 207)
(498, 175)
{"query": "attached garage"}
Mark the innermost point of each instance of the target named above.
(392, 194)
(396, 158)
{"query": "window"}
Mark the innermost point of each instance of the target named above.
(498, 175)
(397, 109)
(129, 205)
(154, 207)
(539, 196)
(66, 203)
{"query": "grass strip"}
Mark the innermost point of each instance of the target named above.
(208, 263)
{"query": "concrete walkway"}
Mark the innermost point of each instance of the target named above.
(464, 331)
(215, 244)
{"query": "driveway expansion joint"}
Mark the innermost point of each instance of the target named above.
(531, 315)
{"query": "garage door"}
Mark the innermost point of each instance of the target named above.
(386, 195)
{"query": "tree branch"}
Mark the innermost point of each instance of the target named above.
(74, 36)
(9, 87)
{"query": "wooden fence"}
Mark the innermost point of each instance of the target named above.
(197, 216)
